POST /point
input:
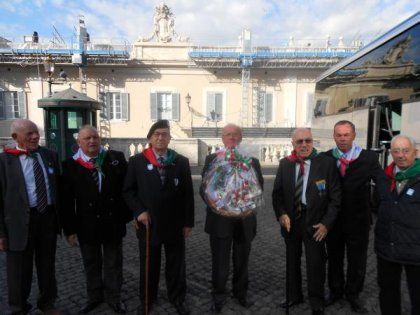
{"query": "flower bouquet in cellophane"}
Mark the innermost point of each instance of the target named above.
(231, 187)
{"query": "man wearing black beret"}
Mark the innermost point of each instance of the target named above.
(158, 190)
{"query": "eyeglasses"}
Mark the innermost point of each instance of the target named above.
(161, 134)
(398, 151)
(300, 141)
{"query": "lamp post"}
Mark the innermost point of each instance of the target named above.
(49, 69)
(215, 118)
(188, 101)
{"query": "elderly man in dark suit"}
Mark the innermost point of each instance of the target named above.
(95, 214)
(306, 201)
(158, 190)
(397, 230)
(227, 233)
(350, 234)
(28, 217)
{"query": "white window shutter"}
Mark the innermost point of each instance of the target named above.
(153, 107)
(268, 107)
(175, 106)
(22, 104)
(8, 101)
(210, 104)
(2, 105)
(219, 106)
(125, 106)
(106, 109)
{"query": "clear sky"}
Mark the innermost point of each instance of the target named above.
(209, 22)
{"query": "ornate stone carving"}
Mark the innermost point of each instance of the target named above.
(163, 26)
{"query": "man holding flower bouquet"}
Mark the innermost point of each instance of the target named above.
(232, 189)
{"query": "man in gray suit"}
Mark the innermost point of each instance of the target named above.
(28, 217)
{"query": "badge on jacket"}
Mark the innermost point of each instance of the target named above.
(176, 182)
(50, 170)
(150, 167)
(321, 185)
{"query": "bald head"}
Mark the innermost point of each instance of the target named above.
(89, 141)
(231, 135)
(25, 133)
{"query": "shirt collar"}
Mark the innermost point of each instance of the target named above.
(85, 157)
(158, 155)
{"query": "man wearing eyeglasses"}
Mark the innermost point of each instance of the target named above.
(356, 168)
(306, 201)
(158, 190)
(397, 231)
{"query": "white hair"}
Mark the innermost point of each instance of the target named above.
(231, 125)
(397, 137)
(19, 124)
(299, 130)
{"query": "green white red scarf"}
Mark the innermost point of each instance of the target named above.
(99, 160)
(344, 159)
(412, 171)
(301, 161)
(149, 154)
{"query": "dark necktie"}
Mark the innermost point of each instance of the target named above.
(40, 186)
(94, 173)
(162, 168)
(298, 192)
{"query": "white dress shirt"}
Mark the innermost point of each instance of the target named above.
(307, 166)
(27, 164)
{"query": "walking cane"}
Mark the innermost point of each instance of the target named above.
(146, 278)
(287, 279)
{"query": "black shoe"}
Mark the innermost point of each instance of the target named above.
(318, 312)
(141, 310)
(357, 306)
(118, 307)
(181, 308)
(243, 302)
(217, 307)
(283, 304)
(332, 298)
(89, 307)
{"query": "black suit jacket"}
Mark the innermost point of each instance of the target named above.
(355, 185)
(170, 205)
(95, 216)
(223, 227)
(322, 206)
(14, 207)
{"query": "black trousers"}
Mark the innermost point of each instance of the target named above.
(389, 281)
(355, 245)
(106, 257)
(174, 268)
(41, 247)
(220, 252)
(315, 264)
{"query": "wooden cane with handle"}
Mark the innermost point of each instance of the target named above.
(146, 278)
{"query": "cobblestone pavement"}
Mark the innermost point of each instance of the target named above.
(266, 273)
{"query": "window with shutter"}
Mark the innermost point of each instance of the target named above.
(164, 105)
(153, 107)
(175, 106)
(12, 105)
(215, 106)
(117, 106)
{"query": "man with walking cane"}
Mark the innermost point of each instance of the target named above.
(306, 200)
(158, 190)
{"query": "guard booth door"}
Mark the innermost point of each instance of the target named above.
(62, 128)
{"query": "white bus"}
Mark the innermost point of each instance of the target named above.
(378, 89)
